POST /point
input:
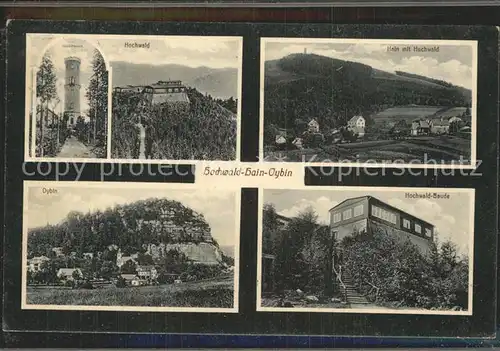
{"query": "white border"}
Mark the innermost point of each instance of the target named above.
(106, 185)
(381, 310)
(471, 43)
(93, 40)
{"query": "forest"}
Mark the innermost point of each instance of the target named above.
(91, 126)
(207, 131)
(122, 226)
(306, 250)
(302, 87)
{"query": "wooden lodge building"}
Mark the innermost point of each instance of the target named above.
(365, 213)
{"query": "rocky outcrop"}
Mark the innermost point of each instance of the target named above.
(202, 253)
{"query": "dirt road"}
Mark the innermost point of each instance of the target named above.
(75, 148)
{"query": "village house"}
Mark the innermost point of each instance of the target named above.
(454, 119)
(128, 278)
(357, 125)
(365, 213)
(280, 138)
(121, 260)
(420, 127)
(313, 126)
(147, 272)
(88, 255)
(58, 251)
(67, 273)
(35, 264)
(439, 126)
(298, 143)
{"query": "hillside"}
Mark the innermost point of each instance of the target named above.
(132, 228)
(206, 131)
(303, 86)
(219, 83)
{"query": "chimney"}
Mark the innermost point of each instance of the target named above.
(305, 51)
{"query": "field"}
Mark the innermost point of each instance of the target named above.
(446, 149)
(209, 293)
(409, 112)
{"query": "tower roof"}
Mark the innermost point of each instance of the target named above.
(72, 58)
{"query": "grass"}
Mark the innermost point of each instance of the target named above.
(197, 294)
(438, 148)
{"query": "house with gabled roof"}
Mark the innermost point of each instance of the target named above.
(357, 125)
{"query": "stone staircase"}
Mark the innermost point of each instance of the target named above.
(353, 296)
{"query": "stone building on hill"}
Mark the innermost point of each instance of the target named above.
(172, 93)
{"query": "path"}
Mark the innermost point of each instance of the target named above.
(142, 139)
(75, 148)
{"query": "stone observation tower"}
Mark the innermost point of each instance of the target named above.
(72, 90)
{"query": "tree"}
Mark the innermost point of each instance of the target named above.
(292, 260)
(270, 227)
(76, 275)
(45, 92)
(145, 259)
(108, 270)
(128, 267)
(97, 95)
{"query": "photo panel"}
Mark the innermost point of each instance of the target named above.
(142, 247)
(175, 98)
(330, 101)
(375, 250)
(133, 97)
(67, 98)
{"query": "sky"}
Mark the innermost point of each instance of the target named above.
(57, 53)
(191, 51)
(451, 217)
(453, 63)
(215, 205)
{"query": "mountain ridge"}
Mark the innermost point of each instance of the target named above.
(217, 82)
(305, 86)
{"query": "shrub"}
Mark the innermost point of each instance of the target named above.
(120, 283)
(402, 274)
(204, 130)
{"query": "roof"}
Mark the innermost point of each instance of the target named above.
(283, 218)
(357, 199)
(41, 258)
(313, 121)
(72, 58)
(128, 276)
(68, 271)
(145, 267)
(422, 124)
(168, 83)
(350, 201)
(354, 119)
(440, 122)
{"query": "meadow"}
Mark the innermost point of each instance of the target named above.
(214, 293)
(444, 149)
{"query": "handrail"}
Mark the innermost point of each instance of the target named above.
(339, 277)
(377, 289)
